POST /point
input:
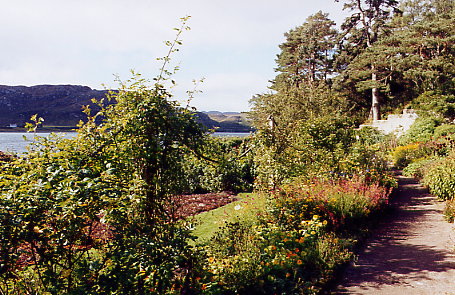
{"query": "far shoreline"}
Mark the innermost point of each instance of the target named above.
(50, 129)
(39, 130)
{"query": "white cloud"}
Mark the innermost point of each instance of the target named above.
(232, 43)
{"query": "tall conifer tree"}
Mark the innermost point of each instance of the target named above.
(362, 29)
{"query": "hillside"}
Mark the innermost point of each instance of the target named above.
(61, 105)
(225, 122)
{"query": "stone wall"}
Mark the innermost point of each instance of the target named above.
(397, 124)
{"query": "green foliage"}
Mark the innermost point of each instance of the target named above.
(403, 155)
(227, 166)
(306, 55)
(419, 167)
(421, 130)
(295, 248)
(403, 57)
(369, 136)
(345, 203)
(440, 178)
(94, 214)
(315, 147)
(266, 259)
(449, 210)
(436, 104)
(444, 130)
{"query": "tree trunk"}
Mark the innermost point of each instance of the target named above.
(375, 105)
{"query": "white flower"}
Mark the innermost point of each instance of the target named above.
(238, 207)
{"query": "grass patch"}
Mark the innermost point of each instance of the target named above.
(246, 208)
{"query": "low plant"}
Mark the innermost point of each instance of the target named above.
(369, 136)
(342, 203)
(404, 155)
(440, 178)
(435, 103)
(449, 211)
(419, 167)
(268, 259)
(421, 130)
(444, 130)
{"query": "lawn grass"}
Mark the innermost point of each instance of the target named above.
(246, 208)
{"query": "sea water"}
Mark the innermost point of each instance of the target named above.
(14, 142)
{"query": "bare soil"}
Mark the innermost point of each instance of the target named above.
(189, 205)
(412, 252)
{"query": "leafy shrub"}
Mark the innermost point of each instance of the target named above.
(369, 136)
(233, 260)
(419, 167)
(403, 155)
(343, 203)
(444, 130)
(311, 148)
(449, 211)
(421, 131)
(436, 104)
(227, 166)
(440, 178)
(296, 246)
(93, 214)
(268, 259)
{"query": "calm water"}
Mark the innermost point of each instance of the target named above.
(14, 141)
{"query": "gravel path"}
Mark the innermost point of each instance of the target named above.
(412, 253)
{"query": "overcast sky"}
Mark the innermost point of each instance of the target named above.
(232, 44)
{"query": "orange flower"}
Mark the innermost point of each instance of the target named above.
(299, 262)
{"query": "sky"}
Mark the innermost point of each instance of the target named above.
(232, 44)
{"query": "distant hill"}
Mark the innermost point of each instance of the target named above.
(222, 122)
(61, 105)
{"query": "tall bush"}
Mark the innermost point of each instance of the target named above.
(93, 214)
(227, 166)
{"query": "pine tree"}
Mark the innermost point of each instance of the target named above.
(417, 55)
(304, 67)
(361, 30)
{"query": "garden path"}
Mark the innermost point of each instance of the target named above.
(412, 252)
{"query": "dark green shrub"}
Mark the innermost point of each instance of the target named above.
(228, 166)
(436, 104)
(311, 148)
